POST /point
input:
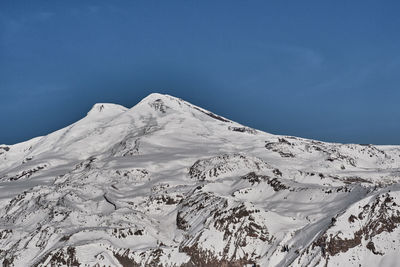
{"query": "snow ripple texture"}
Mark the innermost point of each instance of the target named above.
(167, 183)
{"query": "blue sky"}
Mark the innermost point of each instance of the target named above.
(327, 70)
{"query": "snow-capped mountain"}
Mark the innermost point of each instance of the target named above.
(167, 183)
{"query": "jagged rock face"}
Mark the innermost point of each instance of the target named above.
(347, 155)
(371, 225)
(238, 228)
(167, 183)
(225, 165)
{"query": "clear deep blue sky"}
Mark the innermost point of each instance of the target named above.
(328, 70)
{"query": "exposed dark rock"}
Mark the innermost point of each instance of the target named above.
(275, 183)
(212, 115)
(61, 257)
(277, 147)
(204, 258)
(138, 232)
(8, 262)
(351, 180)
(86, 164)
(277, 172)
(159, 105)
(27, 173)
(237, 223)
(149, 258)
(283, 140)
(125, 261)
(215, 166)
(242, 130)
(5, 148)
(181, 223)
(352, 218)
(371, 246)
(110, 202)
(383, 218)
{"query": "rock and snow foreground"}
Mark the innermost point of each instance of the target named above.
(167, 183)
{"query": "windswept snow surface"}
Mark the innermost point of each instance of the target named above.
(167, 183)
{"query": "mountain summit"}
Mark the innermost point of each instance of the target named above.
(167, 183)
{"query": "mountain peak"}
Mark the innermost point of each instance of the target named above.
(157, 97)
(93, 193)
(106, 109)
(163, 102)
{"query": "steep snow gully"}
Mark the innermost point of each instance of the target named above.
(167, 183)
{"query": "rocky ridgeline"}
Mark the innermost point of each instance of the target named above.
(167, 183)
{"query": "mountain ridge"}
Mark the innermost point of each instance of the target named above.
(169, 183)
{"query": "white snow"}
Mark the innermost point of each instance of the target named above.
(164, 180)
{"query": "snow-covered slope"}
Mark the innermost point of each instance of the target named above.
(167, 183)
